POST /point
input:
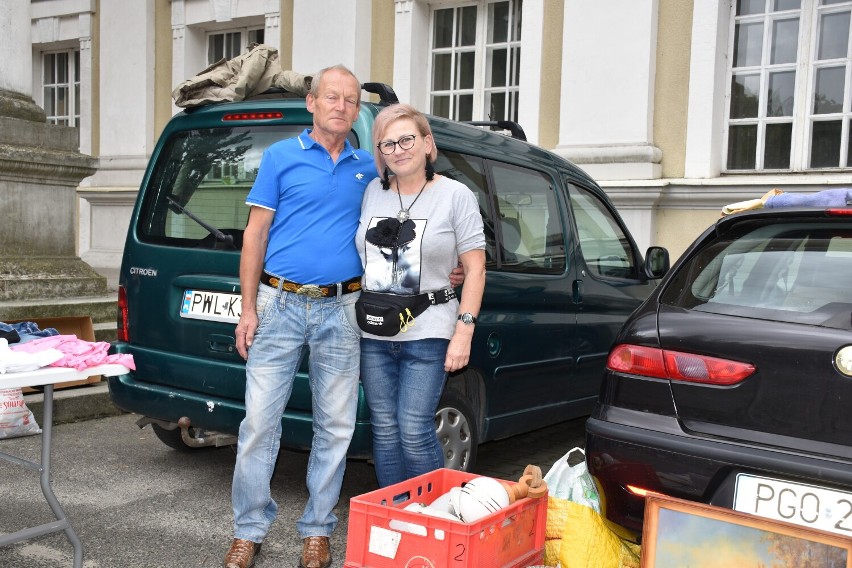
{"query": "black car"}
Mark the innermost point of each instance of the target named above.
(732, 384)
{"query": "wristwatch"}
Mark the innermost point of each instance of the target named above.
(467, 318)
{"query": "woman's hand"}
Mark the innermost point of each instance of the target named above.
(458, 352)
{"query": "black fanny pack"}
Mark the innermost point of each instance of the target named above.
(384, 314)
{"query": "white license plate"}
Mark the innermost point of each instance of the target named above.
(807, 505)
(211, 306)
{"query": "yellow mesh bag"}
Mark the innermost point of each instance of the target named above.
(587, 542)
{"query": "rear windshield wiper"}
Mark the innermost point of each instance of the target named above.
(220, 236)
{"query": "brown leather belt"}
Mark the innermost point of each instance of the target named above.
(311, 290)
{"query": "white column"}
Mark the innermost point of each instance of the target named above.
(607, 102)
(272, 30)
(330, 32)
(529, 112)
(272, 24)
(411, 55)
(707, 71)
(126, 112)
(126, 88)
(17, 54)
(85, 73)
(179, 70)
(17, 62)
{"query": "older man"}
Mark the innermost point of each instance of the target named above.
(298, 271)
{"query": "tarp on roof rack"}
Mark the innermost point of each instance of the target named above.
(774, 198)
(250, 73)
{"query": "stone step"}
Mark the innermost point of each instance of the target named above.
(102, 310)
(29, 278)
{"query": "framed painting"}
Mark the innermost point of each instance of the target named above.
(681, 533)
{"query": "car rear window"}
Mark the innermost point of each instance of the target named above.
(796, 272)
(197, 192)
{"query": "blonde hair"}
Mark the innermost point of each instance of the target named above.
(391, 114)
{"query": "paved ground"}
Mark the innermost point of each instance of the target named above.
(137, 504)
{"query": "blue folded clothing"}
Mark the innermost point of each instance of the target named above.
(827, 198)
(27, 330)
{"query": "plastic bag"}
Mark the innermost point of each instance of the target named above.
(568, 487)
(576, 535)
(15, 418)
(573, 483)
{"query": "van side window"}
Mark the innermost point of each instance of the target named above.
(199, 185)
(603, 241)
(529, 220)
(470, 171)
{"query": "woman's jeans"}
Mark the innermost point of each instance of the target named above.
(403, 381)
(288, 323)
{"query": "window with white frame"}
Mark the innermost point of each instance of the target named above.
(61, 87)
(475, 60)
(229, 44)
(790, 84)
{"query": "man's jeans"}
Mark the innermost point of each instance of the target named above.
(287, 323)
(403, 381)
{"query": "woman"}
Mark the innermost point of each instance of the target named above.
(415, 227)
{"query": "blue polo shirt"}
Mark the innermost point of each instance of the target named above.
(317, 205)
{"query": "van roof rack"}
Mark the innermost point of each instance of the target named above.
(510, 125)
(387, 96)
(274, 93)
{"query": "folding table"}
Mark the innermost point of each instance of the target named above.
(47, 377)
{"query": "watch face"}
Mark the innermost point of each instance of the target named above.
(467, 318)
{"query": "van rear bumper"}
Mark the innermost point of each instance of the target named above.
(220, 415)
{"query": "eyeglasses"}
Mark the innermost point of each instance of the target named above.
(388, 147)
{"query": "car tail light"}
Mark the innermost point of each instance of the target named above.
(677, 366)
(637, 490)
(122, 324)
(839, 212)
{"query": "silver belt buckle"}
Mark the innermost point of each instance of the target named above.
(311, 291)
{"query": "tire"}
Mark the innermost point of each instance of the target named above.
(172, 439)
(458, 434)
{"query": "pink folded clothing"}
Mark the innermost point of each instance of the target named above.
(77, 353)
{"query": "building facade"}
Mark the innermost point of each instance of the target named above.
(676, 107)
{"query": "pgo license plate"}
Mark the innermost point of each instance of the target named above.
(807, 505)
(211, 306)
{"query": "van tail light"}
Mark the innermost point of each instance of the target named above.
(264, 115)
(677, 366)
(122, 324)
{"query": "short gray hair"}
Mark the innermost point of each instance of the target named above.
(317, 79)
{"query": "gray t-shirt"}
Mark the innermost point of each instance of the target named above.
(445, 222)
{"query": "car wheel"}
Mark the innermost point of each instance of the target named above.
(172, 439)
(455, 424)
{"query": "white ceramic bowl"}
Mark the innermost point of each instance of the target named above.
(480, 497)
(443, 503)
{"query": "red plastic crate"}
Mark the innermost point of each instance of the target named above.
(510, 538)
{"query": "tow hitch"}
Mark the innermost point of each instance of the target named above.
(192, 437)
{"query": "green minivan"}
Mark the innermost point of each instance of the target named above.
(563, 275)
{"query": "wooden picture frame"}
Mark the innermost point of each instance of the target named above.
(677, 532)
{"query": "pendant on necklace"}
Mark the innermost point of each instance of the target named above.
(402, 216)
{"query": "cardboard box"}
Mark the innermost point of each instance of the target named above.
(81, 326)
(381, 534)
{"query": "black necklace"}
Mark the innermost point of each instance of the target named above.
(403, 215)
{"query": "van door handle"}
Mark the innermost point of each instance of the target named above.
(577, 291)
(223, 343)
